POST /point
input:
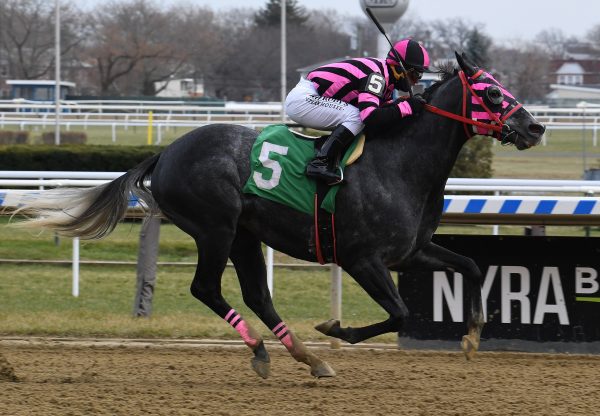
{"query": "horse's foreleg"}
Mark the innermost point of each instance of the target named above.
(372, 275)
(351, 335)
(433, 257)
(247, 257)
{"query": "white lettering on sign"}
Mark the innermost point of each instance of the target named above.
(551, 276)
(586, 281)
(520, 296)
(441, 291)
(487, 287)
(515, 287)
(380, 3)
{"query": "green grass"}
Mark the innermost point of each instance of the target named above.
(131, 136)
(566, 155)
(36, 300)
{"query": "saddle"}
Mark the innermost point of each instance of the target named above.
(324, 235)
(278, 161)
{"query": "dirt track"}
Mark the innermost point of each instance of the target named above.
(184, 379)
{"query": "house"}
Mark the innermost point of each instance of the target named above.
(576, 78)
(179, 88)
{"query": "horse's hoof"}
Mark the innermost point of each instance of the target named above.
(469, 346)
(322, 369)
(327, 326)
(261, 367)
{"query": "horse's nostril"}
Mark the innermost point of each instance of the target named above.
(537, 129)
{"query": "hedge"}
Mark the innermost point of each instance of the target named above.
(74, 157)
(475, 159)
(66, 137)
(13, 137)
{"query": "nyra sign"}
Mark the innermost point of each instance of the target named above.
(551, 294)
(517, 289)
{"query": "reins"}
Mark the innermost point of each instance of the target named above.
(498, 127)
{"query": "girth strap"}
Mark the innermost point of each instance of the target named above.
(325, 243)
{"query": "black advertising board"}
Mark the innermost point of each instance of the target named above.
(540, 289)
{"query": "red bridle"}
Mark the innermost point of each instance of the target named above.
(498, 127)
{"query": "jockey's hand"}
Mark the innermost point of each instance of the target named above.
(416, 103)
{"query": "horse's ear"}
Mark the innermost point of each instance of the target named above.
(465, 64)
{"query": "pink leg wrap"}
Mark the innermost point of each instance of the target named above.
(235, 320)
(282, 333)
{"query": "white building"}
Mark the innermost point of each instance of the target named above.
(177, 88)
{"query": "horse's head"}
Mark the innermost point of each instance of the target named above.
(494, 106)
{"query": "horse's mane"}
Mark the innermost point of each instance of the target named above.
(446, 71)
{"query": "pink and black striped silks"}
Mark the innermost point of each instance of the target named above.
(345, 81)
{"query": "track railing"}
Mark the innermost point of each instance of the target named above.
(498, 201)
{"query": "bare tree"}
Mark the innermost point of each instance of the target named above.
(132, 38)
(593, 37)
(250, 69)
(207, 37)
(27, 36)
(524, 70)
(553, 42)
(451, 35)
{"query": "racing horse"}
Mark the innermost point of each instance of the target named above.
(386, 212)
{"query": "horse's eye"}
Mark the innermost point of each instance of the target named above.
(494, 95)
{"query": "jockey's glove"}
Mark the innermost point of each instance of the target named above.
(416, 103)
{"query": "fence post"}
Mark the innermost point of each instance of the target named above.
(75, 268)
(336, 299)
(146, 267)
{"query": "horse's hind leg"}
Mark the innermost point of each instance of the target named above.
(213, 250)
(247, 257)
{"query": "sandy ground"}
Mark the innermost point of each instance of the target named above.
(169, 378)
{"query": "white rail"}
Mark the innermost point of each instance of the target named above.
(71, 178)
(484, 209)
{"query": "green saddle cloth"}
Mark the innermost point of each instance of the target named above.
(278, 161)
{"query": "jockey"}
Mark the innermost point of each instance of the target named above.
(345, 96)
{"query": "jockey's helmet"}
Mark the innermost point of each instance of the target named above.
(412, 54)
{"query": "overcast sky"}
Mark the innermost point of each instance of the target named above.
(501, 19)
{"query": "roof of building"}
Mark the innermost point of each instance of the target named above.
(39, 82)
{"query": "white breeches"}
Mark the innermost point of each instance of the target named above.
(304, 105)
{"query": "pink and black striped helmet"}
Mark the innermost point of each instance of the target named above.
(412, 54)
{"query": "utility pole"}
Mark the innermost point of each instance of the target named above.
(57, 72)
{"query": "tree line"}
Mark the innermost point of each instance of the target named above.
(122, 48)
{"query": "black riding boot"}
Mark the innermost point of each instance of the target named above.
(325, 164)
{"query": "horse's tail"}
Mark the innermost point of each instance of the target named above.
(90, 213)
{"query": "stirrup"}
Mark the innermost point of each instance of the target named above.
(325, 175)
(341, 177)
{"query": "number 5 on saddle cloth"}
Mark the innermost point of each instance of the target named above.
(278, 161)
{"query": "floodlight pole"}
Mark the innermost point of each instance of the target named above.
(283, 60)
(283, 71)
(57, 73)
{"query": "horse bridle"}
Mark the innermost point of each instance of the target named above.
(501, 130)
